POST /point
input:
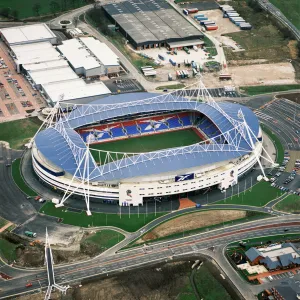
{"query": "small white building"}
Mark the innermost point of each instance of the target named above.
(90, 57)
(28, 34)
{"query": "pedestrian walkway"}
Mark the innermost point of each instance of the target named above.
(275, 274)
(5, 226)
(185, 203)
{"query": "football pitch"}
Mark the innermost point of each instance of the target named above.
(146, 143)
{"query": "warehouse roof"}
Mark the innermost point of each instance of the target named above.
(52, 75)
(77, 54)
(35, 53)
(151, 21)
(27, 34)
(101, 51)
(74, 89)
(46, 65)
(185, 43)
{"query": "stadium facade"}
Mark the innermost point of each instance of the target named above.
(63, 156)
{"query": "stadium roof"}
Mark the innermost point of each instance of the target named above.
(141, 165)
(151, 21)
(74, 89)
(27, 34)
(35, 53)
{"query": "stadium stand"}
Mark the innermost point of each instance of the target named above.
(153, 124)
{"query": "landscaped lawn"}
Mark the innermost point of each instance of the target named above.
(7, 250)
(259, 195)
(18, 179)
(277, 143)
(263, 89)
(18, 132)
(289, 204)
(127, 222)
(105, 239)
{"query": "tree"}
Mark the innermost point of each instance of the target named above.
(36, 8)
(15, 14)
(54, 6)
(5, 12)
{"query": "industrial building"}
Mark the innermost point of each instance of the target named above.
(55, 71)
(89, 57)
(152, 23)
(74, 89)
(33, 53)
(28, 34)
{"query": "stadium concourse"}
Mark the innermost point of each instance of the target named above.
(141, 147)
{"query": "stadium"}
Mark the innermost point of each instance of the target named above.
(132, 148)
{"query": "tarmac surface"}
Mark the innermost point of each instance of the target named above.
(151, 254)
(13, 204)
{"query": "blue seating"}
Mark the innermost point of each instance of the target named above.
(174, 123)
(186, 121)
(132, 130)
(117, 132)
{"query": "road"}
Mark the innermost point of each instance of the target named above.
(266, 5)
(154, 253)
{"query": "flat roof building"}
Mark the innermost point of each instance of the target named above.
(90, 57)
(34, 54)
(151, 23)
(28, 34)
(68, 90)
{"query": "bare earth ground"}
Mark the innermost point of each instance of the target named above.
(264, 74)
(293, 156)
(224, 24)
(192, 221)
(152, 283)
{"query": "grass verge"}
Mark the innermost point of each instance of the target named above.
(102, 240)
(7, 250)
(126, 222)
(259, 195)
(251, 216)
(17, 133)
(264, 89)
(171, 86)
(3, 222)
(18, 179)
(289, 204)
(277, 143)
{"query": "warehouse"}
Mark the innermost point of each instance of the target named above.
(73, 89)
(89, 57)
(28, 34)
(152, 23)
(34, 53)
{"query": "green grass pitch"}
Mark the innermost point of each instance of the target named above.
(147, 143)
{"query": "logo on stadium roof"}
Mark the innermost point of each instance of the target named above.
(155, 124)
